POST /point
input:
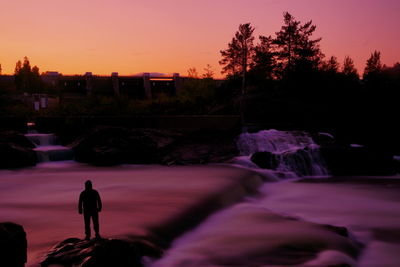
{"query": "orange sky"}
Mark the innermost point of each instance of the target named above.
(132, 36)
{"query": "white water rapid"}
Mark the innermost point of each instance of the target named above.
(48, 147)
(294, 152)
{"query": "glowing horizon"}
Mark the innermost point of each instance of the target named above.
(130, 37)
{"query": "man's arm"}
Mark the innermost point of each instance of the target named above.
(99, 204)
(80, 204)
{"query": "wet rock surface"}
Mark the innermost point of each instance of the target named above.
(13, 245)
(100, 253)
(16, 150)
(303, 162)
(206, 146)
(117, 145)
(265, 160)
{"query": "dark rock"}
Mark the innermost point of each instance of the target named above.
(117, 145)
(100, 253)
(300, 161)
(347, 160)
(16, 138)
(322, 139)
(337, 229)
(205, 146)
(16, 150)
(13, 245)
(265, 160)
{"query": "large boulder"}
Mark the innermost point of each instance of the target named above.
(303, 162)
(265, 160)
(117, 145)
(13, 245)
(16, 151)
(100, 253)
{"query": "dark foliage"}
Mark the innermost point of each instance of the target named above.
(27, 78)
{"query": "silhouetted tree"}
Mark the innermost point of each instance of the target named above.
(230, 59)
(0, 69)
(348, 68)
(331, 65)
(374, 66)
(192, 73)
(264, 62)
(27, 79)
(238, 55)
(296, 49)
(391, 84)
(208, 72)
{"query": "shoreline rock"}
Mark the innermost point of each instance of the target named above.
(107, 146)
(13, 245)
(100, 253)
(16, 151)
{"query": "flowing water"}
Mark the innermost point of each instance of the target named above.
(48, 147)
(296, 152)
(242, 230)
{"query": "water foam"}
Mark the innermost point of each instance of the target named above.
(48, 147)
(295, 152)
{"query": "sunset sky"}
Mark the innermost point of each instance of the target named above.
(132, 36)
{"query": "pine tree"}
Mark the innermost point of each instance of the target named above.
(374, 65)
(208, 72)
(27, 79)
(296, 49)
(237, 57)
(230, 59)
(331, 65)
(348, 68)
(264, 63)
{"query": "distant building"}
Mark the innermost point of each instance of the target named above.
(144, 86)
(51, 78)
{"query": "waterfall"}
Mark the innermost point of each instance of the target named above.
(289, 151)
(48, 147)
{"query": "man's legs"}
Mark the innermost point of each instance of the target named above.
(95, 218)
(86, 217)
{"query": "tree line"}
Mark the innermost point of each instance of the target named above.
(286, 78)
(291, 52)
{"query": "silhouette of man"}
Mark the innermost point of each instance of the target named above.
(90, 202)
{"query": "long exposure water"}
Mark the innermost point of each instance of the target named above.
(243, 230)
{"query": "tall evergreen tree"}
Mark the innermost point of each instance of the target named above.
(348, 68)
(264, 62)
(27, 79)
(296, 49)
(373, 66)
(331, 65)
(237, 57)
(230, 59)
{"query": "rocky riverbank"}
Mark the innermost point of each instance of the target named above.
(16, 151)
(13, 245)
(105, 146)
